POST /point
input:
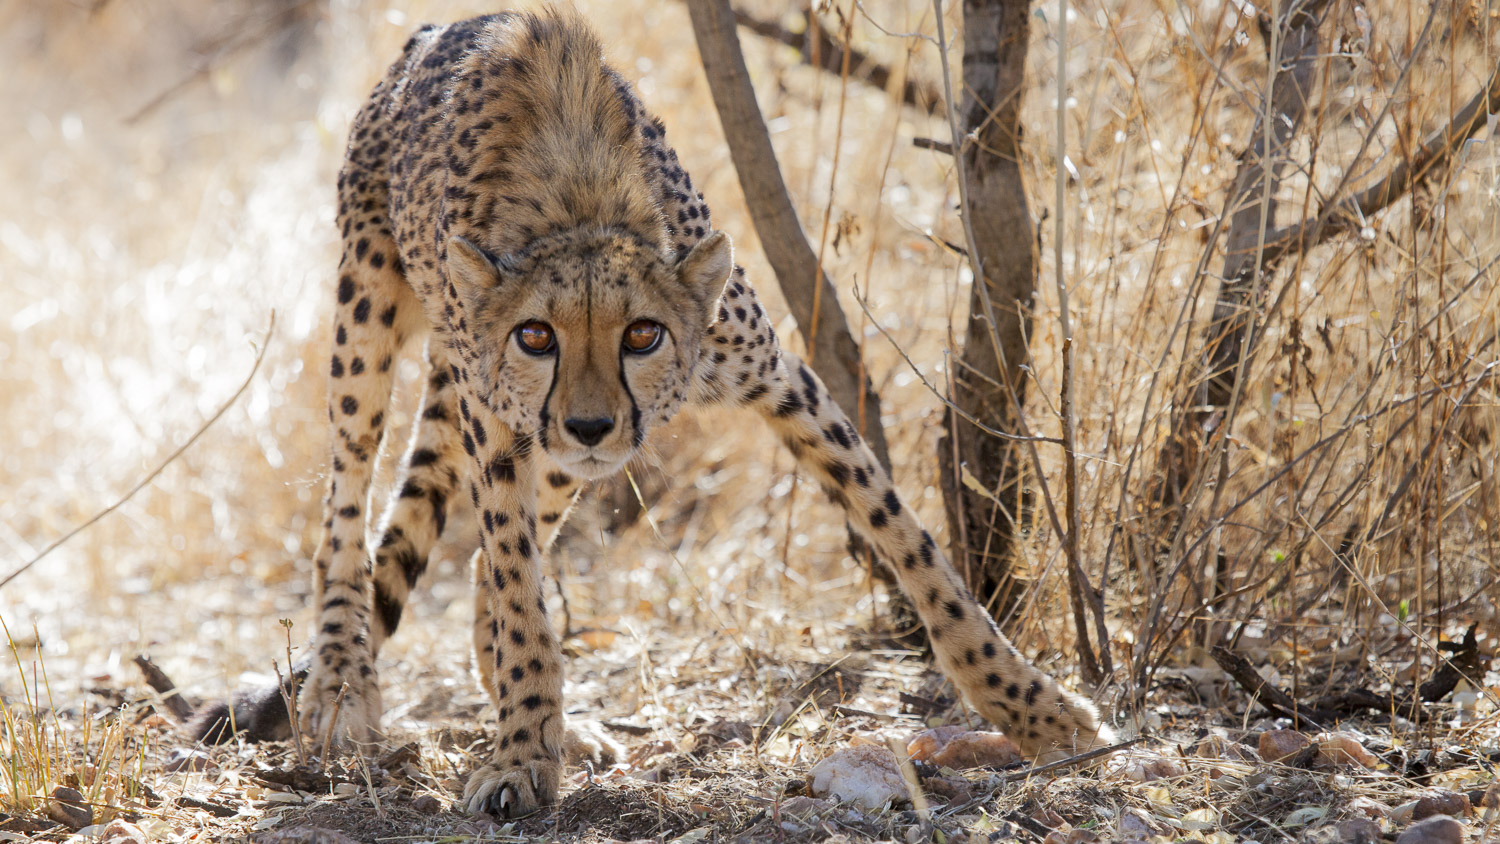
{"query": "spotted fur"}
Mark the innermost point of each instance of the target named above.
(500, 173)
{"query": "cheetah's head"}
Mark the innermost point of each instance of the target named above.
(587, 338)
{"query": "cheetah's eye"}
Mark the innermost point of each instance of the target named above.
(643, 336)
(536, 337)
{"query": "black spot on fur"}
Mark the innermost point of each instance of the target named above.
(837, 472)
(892, 502)
(388, 609)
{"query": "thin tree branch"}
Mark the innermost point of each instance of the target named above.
(830, 54)
(1350, 212)
(151, 476)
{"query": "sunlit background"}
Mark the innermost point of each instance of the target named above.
(168, 168)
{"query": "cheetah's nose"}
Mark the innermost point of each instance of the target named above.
(589, 431)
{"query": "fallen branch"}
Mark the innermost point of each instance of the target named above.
(159, 681)
(1262, 692)
(1465, 661)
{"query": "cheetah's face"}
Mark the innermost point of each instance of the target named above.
(588, 339)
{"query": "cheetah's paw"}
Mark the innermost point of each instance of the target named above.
(512, 792)
(358, 714)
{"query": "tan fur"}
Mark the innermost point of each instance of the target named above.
(502, 174)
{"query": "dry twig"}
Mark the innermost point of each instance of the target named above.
(158, 680)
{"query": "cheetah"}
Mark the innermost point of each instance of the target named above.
(506, 195)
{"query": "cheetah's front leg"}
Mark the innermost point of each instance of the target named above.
(1037, 713)
(525, 766)
(373, 315)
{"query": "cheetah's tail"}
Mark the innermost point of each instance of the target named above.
(257, 715)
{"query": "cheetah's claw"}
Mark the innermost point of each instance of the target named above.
(512, 793)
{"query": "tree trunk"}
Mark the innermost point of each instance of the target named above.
(1250, 209)
(809, 292)
(989, 383)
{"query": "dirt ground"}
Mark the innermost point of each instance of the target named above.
(169, 168)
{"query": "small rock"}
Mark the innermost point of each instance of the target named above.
(69, 808)
(1280, 745)
(1134, 824)
(1145, 766)
(1369, 807)
(865, 775)
(1438, 829)
(954, 790)
(1401, 815)
(1358, 831)
(1343, 748)
(119, 831)
(1442, 802)
(427, 804)
(955, 747)
(188, 759)
(928, 742)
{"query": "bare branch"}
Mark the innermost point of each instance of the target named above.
(151, 476)
(1350, 212)
(830, 54)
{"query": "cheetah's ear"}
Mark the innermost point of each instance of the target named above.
(706, 269)
(471, 272)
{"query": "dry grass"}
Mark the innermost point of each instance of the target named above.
(141, 253)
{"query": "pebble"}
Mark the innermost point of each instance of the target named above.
(119, 831)
(1343, 748)
(1358, 831)
(1438, 829)
(1143, 766)
(1279, 745)
(427, 804)
(1442, 802)
(1369, 807)
(68, 807)
(865, 775)
(958, 748)
(954, 790)
(1134, 824)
